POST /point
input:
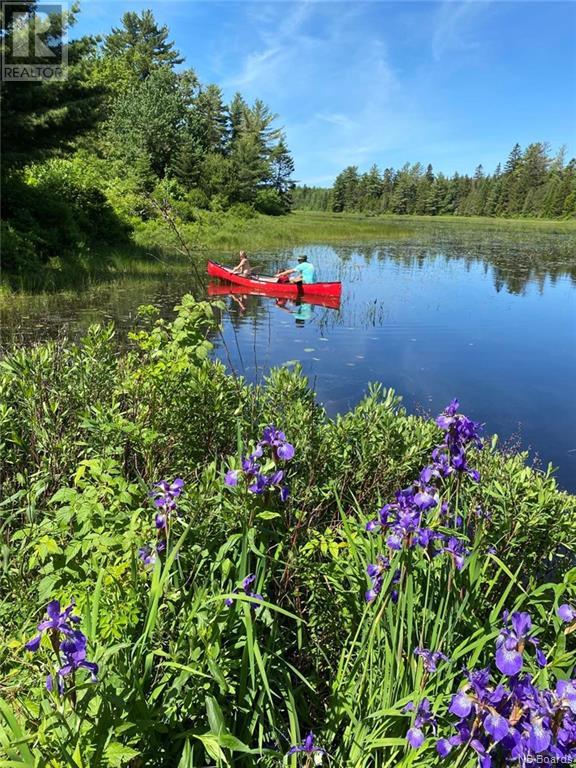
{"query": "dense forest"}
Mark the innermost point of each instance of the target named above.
(532, 183)
(86, 159)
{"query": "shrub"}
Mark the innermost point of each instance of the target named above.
(270, 202)
(239, 584)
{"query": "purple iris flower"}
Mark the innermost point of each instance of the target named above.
(247, 582)
(262, 483)
(231, 477)
(147, 555)
(446, 418)
(307, 746)
(259, 484)
(72, 647)
(460, 433)
(376, 574)
(74, 650)
(57, 622)
(567, 613)
(161, 520)
(166, 493)
(430, 659)
(457, 551)
(514, 723)
(415, 735)
(250, 466)
(566, 695)
(511, 642)
(276, 439)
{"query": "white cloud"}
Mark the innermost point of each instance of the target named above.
(256, 66)
(453, 30)
(326, 69)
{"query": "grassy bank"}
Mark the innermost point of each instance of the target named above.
(158, 247)
(226, 232)
(247, 603)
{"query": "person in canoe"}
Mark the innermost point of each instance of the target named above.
(243, 267)
(304, 272)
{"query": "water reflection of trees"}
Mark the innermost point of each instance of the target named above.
(514, 267)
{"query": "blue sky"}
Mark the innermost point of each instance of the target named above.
(354, 83)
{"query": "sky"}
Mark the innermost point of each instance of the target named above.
(453, 83)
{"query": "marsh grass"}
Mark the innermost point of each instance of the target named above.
(214, 231)
(157, 249)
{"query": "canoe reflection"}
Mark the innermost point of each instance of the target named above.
(237, 292)
(300, 310)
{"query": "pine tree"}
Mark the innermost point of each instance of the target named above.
(142, 44)
(237, 112)
(514, 159)
(281, 168)
(259, 126)
(211, 119)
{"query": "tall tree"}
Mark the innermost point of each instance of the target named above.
(514, 159)
(142, 44)
(259, 122)
(237, 112)
(211, 119)
(281, 168)
(40, 119)
(147, 124)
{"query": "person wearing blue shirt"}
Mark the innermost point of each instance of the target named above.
(304, 272)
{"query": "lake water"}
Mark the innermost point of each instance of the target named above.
(493, 324)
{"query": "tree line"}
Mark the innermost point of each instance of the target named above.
(82, 157)
(532, 183)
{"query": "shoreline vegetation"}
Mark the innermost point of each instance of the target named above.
(198, 571)
(155, 249)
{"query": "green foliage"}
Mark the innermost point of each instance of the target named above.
(185, 680)
(127, 113)
(532, 184)
(270, 202)
(55, 210)
(142, 45)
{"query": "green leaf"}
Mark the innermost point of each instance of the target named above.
(211, 746)
(117, 754)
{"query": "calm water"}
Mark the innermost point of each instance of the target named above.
(491, 324)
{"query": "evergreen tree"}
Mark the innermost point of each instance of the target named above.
(259, 122)
(281, 168)
(345, 193)
(248, 170)
(237, 112)
(142, 44)
(41, 119)
(514, 159)
(211, 119)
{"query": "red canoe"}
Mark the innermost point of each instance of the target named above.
(331, 302)
(272, 288)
